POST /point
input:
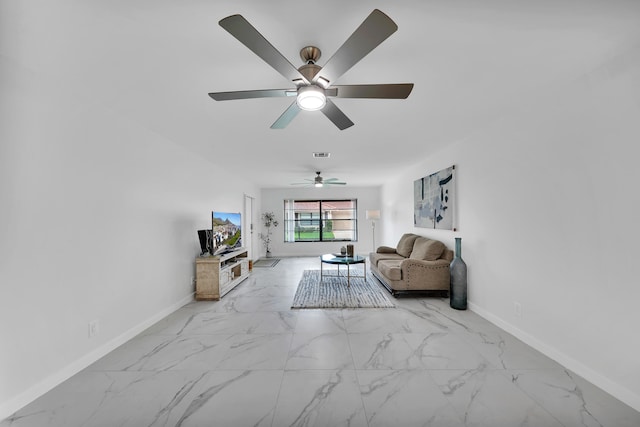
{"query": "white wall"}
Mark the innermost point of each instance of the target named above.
(98, 221)
(273, 201)
(548, 204)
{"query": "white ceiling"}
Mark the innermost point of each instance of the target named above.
(472, 62)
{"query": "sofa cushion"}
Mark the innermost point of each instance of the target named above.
(375, 258)
(427, 249)
(390, 268)
(405, 244)
(385, 250)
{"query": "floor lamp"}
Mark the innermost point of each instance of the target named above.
(373, 216)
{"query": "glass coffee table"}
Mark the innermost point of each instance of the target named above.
(343, 260)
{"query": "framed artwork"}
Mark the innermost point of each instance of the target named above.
(434, 201)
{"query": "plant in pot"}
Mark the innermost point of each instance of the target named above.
(268, 220)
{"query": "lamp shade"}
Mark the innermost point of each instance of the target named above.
(375, 214)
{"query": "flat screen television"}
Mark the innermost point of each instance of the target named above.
(226, 232)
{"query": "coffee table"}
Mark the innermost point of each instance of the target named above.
(343, 260)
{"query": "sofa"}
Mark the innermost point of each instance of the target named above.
(416, 264)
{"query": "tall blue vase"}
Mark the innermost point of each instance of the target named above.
(458, 288)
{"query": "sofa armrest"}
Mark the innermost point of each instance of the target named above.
(426, 275)
(385, 250)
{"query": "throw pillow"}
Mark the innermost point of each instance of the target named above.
(427, 249)
(405, 244)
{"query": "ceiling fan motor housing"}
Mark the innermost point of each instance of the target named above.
(310, 54)
(309, 71)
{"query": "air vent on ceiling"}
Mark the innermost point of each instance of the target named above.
(321, 155)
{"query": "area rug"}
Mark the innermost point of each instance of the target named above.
(334, 293)
(266, 262)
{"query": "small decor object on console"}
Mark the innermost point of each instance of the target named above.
(205, 237)
(458, 290)
(269, 220)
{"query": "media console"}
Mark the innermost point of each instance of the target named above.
(216, 275)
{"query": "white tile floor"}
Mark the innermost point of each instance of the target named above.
(249, 360)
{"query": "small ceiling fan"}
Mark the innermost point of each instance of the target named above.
(319, 181)
(315, 84)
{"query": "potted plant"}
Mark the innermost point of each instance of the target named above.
(268, 220)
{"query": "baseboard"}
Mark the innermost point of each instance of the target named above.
(616, 390)
(31, 394)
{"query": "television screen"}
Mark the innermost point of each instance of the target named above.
(226, 232)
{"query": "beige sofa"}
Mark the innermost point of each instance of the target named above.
(416, 264)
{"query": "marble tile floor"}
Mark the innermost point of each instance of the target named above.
(249, 360)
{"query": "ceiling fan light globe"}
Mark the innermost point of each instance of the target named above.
(311, 98)
(317, 184)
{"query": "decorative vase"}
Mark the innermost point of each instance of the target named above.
(458, 287)
(268, 254)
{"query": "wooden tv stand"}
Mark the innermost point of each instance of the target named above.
(218, 274)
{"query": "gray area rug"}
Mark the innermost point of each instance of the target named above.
(266, 262)
(334, 293)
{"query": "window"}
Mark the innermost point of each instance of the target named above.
(320, 220)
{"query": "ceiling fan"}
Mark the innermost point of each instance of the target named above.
(314, 85)
(319, 181)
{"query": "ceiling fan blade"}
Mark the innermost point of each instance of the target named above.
(336, 183)
(309, 182)
(385, 91)
(375, 29)
(249, 94)
(336, 115)
(286, 117)
(242, 30)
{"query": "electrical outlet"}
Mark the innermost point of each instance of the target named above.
(94, 328)
(517, 310)
(193, 281)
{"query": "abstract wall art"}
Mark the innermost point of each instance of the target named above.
(434, 201)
